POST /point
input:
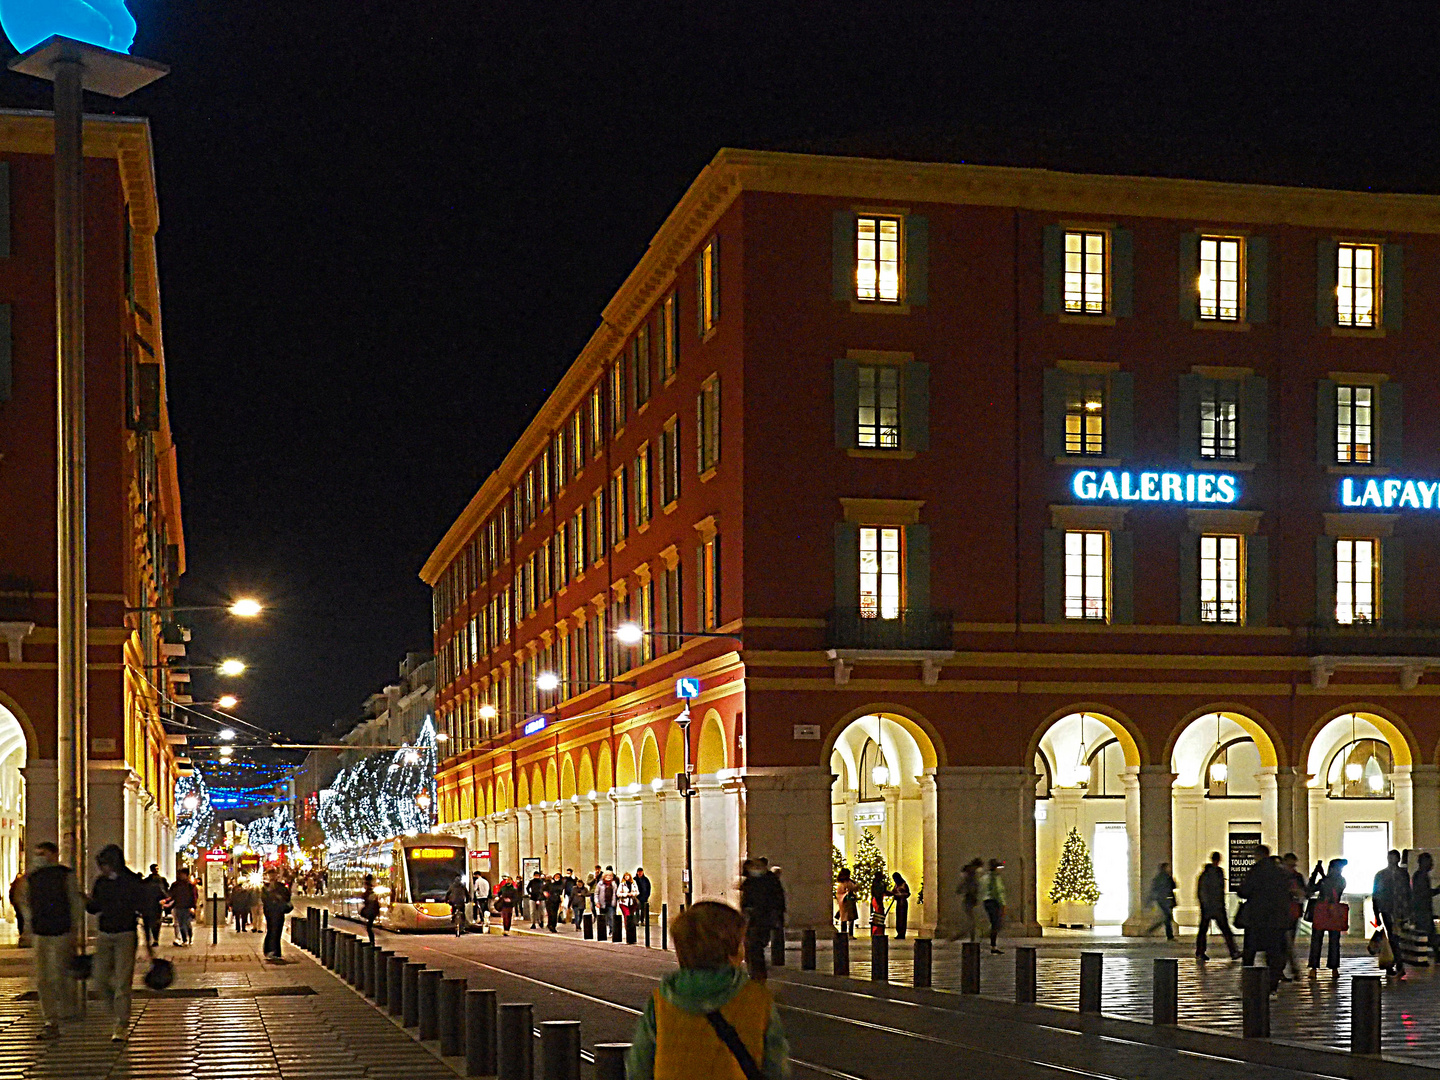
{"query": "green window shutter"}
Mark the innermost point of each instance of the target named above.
(1390, 449)
(1189, 277)
(1122, 578)
(1053, 268)
(1255, 419)
(1191, 387)
(847, 567)
(915, 406)
(1257, 280)
(1392, 288)
(1325, 284)
(7, 349)
(917, 568)
(1392, 581)
(1189, 578)
(1257, 580)
(847, 404)
(1122, 267)
(1325, 580)
(917, 261)
(5, 210)
(1325, 421)
(1120, 416)
(842, 242)
(1054, 575)
(1056, 383)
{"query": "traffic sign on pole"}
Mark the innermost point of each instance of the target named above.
(687, 689)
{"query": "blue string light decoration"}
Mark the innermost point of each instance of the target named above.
(106, 23)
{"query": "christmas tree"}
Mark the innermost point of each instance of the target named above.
(868, 859)
(1075, 876)
(837, 863)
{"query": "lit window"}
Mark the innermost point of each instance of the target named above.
(879, 413)
(669, 341)
(707, 418)
(1361, 770)
(708, 269)
(880, 573)
(597, 527)
(1219, 413)
(1355, 284)
(1220, 277)
(877, 259)
(577, 444)
(1085, 270)
(562, 459)
(1354, 424)
(562, 558)
(1085, 417)
(1220, 579)
(1085, 573)
(597, 422)
(709, 570)
(642, 486)
(1355, 581)
(617, 397)
(619, 507)
(669, 463)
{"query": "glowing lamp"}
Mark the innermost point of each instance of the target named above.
(487, 712)
(1219, 771)
(592, 795)
(192, 802)
(880, 775)
(226, 751)
(95, 22)
(547, 680)
(440, 736)
(246, 609)
(228, 701)
(227, 734)
(231, 667)
(1354, 771)
(629, 634)
(1377, 782)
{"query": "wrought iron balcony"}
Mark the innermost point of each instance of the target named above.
(913, 629)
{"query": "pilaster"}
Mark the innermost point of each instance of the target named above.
(1147, 818)
(787, 820)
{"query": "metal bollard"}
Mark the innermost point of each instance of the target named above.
(297, 936)
(617, 928)
(357, 962)
(430, 1003)
(1255, 1002)
(375, 973)
(560, 1049)
(647, 926)
(840, 960)
(610, 1060)
(777, 947)
(410, 995)
(342, 962)
(630, 930)
(970, 967)
(352, 959)
(382, 978)
(394, 985)
(807, 950)
(589, 922)
(325, 916)
(332, 941)
(1091, 967)
(1025, 975)
(450, 1021)
(480, 1032)
(665, 927)
(924, 960)
(367, 969)
(325, 948)
(1365, 991)
(1165, 992)
(516, 1058)
(879, 958)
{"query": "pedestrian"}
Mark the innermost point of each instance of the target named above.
(627, 899)
(369, 906)
(275, 900)
(900, 891)
(49, 898)
(535, 893)
(1266, 891)
(1390, 897)
(1296, 880)
(567, 910)
(507, 899)
(1329, 913)
(480, 899)
(118, 897)
(554, 897)
(16, 889)
(1422, 902)
(241, 901)
(1210, 892)
(708, 1019)
(846, 910)
(993, 891)
(156, 892)
(762, 901)
(879, 890)
(969, 892)
(603, 898)
(184, 899)
(643, 886)
(1162, 895)
(457, 896)
(579, 895)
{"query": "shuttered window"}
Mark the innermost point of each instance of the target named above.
(1221, 279)
(1086, 573)
(877, 258)
(1357, 277)
(1086, 288)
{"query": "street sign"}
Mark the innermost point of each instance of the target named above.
(215, 880)
(687, 689)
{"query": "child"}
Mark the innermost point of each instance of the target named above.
(680, 1035)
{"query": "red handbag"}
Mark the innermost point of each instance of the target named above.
(1331, 916)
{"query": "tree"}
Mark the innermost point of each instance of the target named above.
(837, 863)
(868, 859)
(1075, 876)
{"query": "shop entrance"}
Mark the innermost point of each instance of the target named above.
(12, 803)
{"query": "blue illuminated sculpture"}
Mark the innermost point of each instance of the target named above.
(96, 22)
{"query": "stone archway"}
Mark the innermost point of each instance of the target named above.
(13, 758)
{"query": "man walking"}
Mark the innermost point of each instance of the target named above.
(118, 897)
(156, 890)
(49, 896)
(480, 899)
(1391, 898)
(643, 884)
(535, 892)
(184, 898)
(604, 901)
(1210, 891)
(994, 893)
(1266, 891)
(275, 899)
(762, 900)
(1162, 895)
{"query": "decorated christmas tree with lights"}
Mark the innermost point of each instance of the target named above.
(868, 859)
(837, 863)
(1075, 876)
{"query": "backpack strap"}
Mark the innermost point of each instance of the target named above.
(731, 1038)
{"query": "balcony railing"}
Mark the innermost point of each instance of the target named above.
(1371, 639)
(915, 629)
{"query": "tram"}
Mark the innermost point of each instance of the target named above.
(412, 875)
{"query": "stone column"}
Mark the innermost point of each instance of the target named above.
(628, 850)
(1292, 823)
(670, 885)
(605, 829)
(787, 820)
(926, 910)
(589, 853)
(1190, 850)
(652, 838)
(718, 824)
(984, 812)
(554, 853)
(524, 839)
(1267, 779)
(1425, 808)
(893, 825)
(1147, 818)
(570, 833)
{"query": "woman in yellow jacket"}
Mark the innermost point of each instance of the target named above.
(708, 1019)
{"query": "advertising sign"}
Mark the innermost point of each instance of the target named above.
(1187, 488)
(1243, 847)
(1387, 493)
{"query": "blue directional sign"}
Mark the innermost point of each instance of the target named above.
(687, 689)
(95, 22)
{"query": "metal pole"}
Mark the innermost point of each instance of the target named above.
(430, 1003)
(879, 958)
(1255, 1002)
(480, 1032)
(1365, 1014)
(451, 1018)
(394, 981)
(410, 995)
(840, 957)
(923, 960)
(1165, 992)
(970, 967)
(665, 927)
(1025, 975)
(684, 721)
(807, 949)
(1091, 967)
(517, 1042)
(382, 978)
(560, 1049)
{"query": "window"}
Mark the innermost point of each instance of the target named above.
(562, 458)
(1220, 577)
(542, 479)
(1361, 770)
(1354, 425)
(642, 486)
(881, 580)
(640, 361)
(577, 445)
(669, 463)
(1086, 268)
(707, 420)
(1356, 280)
(1086, 556)
(617, 397)
(597, 421)
(671, 607)
(619, 508)
(1234, 771)
(1220, 287)
(1355, 574)
(562, 558)
(542, 571)
(1085, 416)
(707, 270)
(642, 610)
(1219, 419)
(709, 583)
(529, 499)
(578, 538)
(597, 526)
(669, 339)
(879, 414)
(877, 259)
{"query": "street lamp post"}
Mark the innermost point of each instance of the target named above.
(687, 792)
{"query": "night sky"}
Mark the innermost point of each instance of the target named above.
(388, 228)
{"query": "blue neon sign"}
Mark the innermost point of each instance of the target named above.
(1094, 485)
(1388, 493)
(534, 724)
(95, 22)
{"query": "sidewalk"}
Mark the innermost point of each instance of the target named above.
(228, 1015)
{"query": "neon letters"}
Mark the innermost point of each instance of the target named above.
(1195, 487)
(96, 22)
(1387, 493)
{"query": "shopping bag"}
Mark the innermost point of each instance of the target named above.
(1384, 956)
(1377, 939)
(1331, 916)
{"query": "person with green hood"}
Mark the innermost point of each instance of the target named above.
(709, 1019)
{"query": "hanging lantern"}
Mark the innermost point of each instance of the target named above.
(1219, 771)
(1354, 771)
(880, 775)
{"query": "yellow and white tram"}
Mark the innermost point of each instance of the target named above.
(412, 875)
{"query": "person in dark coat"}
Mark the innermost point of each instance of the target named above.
(1390, 896)
(1266, 892)
(644, 885)
(879, 890)
(275, 899)
(554, 896)
(242, 900)
(1162, 895)
(118, 898)
(900, 891)
(1422, 901)
(157, 891)
(1329, 889)
(762, 899)
(535, 893)
(1210, 891)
